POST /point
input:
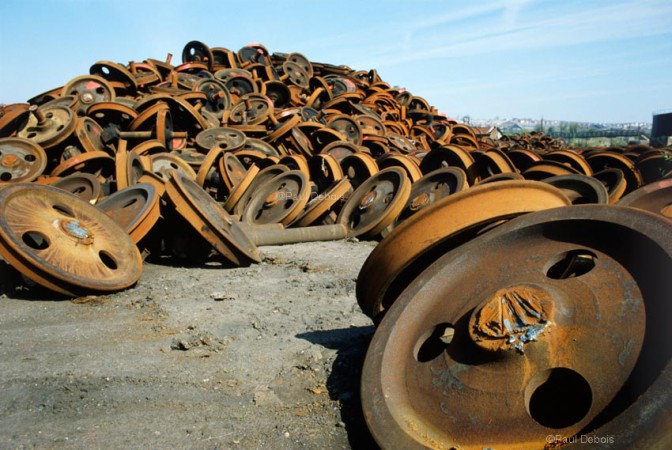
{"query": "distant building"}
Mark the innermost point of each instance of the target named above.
(491, 132)
(511, 127)
(661, 129)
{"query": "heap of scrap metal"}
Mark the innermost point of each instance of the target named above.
(520, 289)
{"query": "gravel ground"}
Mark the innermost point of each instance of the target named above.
(206, 357)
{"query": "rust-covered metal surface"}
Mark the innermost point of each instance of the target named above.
(553, 324)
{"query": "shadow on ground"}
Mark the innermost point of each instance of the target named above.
(16, 286)
(344, 381)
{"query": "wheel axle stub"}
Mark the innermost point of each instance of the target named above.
(64, 243)
(560, 335)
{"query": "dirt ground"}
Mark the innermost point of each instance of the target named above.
(207, 357)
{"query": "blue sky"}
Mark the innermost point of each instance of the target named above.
(603, 61)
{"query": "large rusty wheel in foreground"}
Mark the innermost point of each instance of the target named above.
(63, 243)
(554, 324)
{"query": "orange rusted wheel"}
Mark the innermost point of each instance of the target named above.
(320, 206)
(63, 243)
(655, 197)
(359, 167)
(580, 189)
(408, 250)
(266, 174)
(445, 156)
(324, 171)
(21, 160)
(241, 187)
(135, 209)
(49, 126)
(89, 89)
(608, 159)
(431, 188)
(84, 185)
(529, 334)
(226, 139)
(210, 220)
(614, 180)
(231, 170)
(406, 162)
(129, 168)
(163, 163)
(376, 203)
(96, 163)
(570, 158)
(279, 200)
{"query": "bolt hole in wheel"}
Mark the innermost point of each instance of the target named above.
(107, 260)
(434, 342)
(558, 398)
(6, 176)
(64, 209)
(30, 158)
(571, 264)
(35, 240)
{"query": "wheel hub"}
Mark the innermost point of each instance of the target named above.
(75, 229)
(9, 161)
(511, 319)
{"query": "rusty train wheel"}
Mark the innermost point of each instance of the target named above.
(580, 189)
(376, 203)
(266, 174)
(210, 220)
(655, 197)
(135, 209)
(495, 345)
(83, 185)
(322, 204)
(64, 243)
(433, 187)
(21, 160)
(241, 188)
(453, 220)
(279, 200)
(359, 167)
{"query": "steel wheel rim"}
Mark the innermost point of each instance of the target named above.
(389, 396)
(280, 200)
(70, 230)
(376, 203)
